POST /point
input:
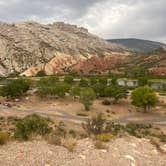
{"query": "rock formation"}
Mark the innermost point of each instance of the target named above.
(29, 47)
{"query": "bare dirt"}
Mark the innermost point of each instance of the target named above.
(128, 151)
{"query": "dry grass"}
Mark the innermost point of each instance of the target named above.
(4, 137)
(69, 143)
(100, 145)
(105, 137)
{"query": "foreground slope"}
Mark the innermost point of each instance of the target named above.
(30, 47)
(121, 152)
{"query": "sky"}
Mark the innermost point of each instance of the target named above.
(108, 19)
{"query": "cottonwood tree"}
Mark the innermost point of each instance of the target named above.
(144, 97)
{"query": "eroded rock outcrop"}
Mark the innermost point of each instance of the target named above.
(28, 47)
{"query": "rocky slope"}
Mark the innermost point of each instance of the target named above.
(29, 47)
(154, 62)
(120, 152)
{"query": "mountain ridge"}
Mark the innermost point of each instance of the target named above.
(138, 45)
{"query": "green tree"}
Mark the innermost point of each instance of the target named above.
(142, 81)
(68, 79)
(83, 82)
(15, 88)
(75, 91)
(114, 81)
(103, 80)
(144, 97)
(93, 81)
(87, 96)
(48, 81)
(99, 89)
(116, 92)
(59, 89)
(41, 73)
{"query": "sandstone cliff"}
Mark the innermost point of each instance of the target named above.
(29, 47)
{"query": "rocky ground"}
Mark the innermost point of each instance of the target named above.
(126, 151)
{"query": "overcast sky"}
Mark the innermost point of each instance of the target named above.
(107, 18)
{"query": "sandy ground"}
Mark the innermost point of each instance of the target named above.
(128, 151)
(67, 110)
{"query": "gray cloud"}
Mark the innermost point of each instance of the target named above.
(106, 18)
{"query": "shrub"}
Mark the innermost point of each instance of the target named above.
(69, 143)
(137, 129)
(4, 137)
(53, 139)
(83, 82)
(113, 128)
(99, 89)
(87, 96)
(32, 125)
(95, 125)
(41, 73)
(99, 145)
(47, 81)
(68, 79)
(103, 81)
(106, 102)
(105, 137)
(73, 133)
(75, 91)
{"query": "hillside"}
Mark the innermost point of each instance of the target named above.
(154, 62)
(29, 47)
(120, 152)
(138, 45)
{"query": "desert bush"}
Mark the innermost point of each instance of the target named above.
(138, 130)
(4, 137)
(106, 102)
(162, 138)
(69, 143)
(53, 139)
(81, 114)
(32, 125)
(73, 133)
(105, 137)
(100, 145)
(60, 130)
(113, 128)
(94, 125)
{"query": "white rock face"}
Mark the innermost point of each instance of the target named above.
(27, 44)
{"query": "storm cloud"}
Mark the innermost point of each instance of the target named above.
(106, 18)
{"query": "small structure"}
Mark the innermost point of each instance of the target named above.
(126, 82)
(157, 84)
